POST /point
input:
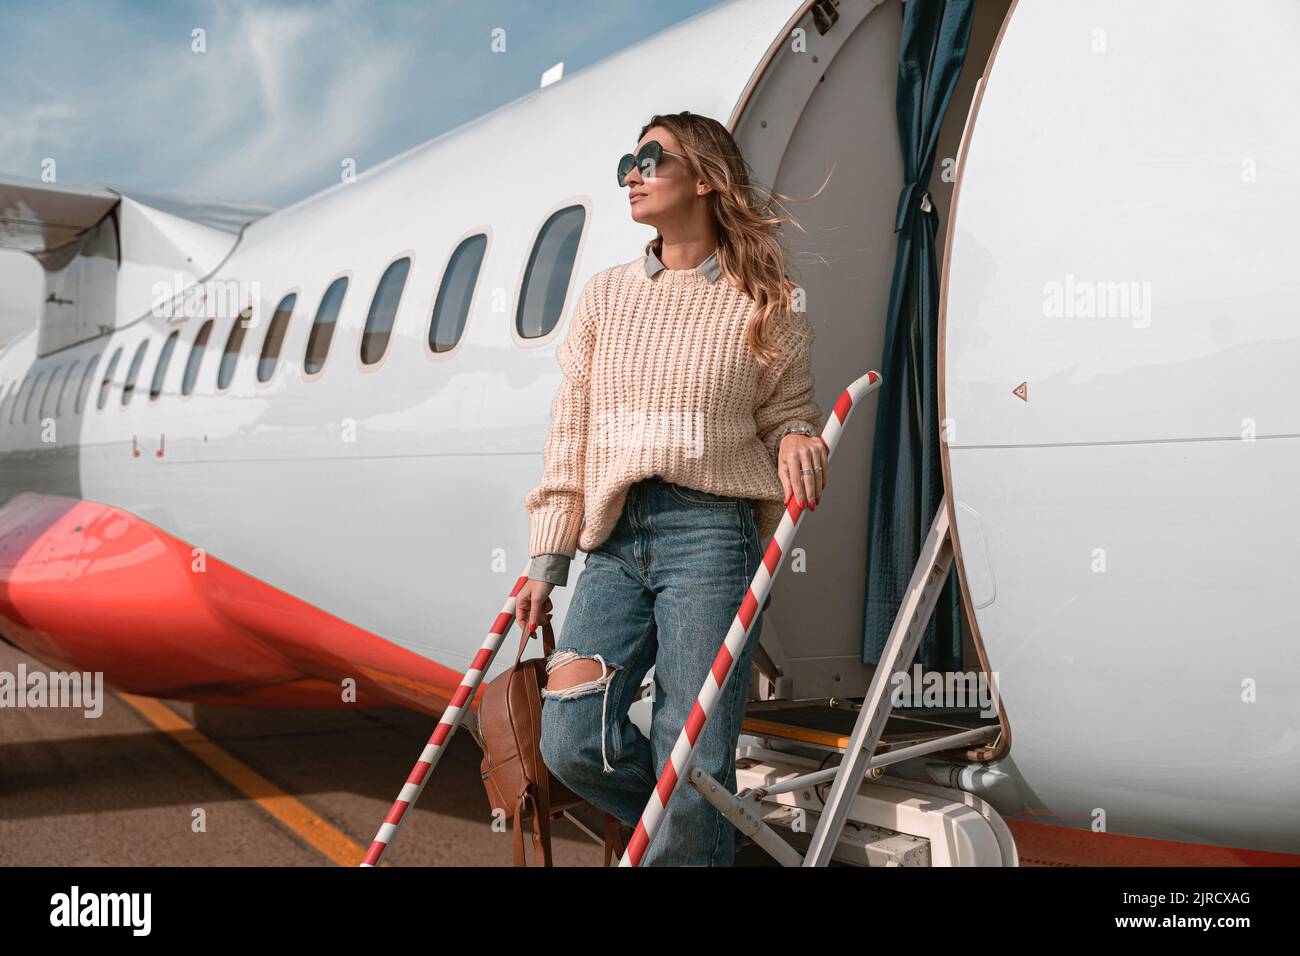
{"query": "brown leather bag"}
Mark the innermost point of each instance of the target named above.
(514, 775)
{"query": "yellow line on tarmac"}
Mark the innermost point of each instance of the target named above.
(291, 812)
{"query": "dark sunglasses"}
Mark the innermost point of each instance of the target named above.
(646, 159)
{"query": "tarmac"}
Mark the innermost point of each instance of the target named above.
(152, 782)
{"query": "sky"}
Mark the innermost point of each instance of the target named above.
(270, 97)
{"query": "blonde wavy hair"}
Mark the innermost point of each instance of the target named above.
(750, 250)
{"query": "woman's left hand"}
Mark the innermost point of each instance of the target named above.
(799, 454)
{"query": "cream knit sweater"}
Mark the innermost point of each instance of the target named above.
(658, 380)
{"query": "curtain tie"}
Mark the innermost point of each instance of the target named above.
(912, 196)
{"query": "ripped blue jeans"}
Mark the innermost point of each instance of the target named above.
(662, 590)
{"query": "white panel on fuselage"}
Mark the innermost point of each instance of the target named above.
(1168, 160)
(1124, 244)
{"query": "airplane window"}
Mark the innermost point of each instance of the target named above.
(451, 308)
(550, 267)
(108, 378)
(85, 383)
(27, 406)
(164, 359)
(45, 398)
(58, 404)
(275, 337)
(383, 310)
(196, 358)
(230, 357)
(128, 389)
(322, 327)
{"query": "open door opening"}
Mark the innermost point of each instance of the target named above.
(828, 105)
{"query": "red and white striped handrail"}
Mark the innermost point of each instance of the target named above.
(446, 727)
(737, 636)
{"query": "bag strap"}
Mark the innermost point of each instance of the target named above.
(519, 833)
(542, 818)
(548, 642)
(541, 799)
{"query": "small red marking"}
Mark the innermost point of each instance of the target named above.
(502, 623)
(399, 810)
(418, 771)
(772, 557)
(636, 846)
(667, 781)
(1021, 391)
(721, 664)
(695, 723)
(462, 694)
(481, 659)
(748, 607)
(374, 853)
(440, 734)
(843, 405)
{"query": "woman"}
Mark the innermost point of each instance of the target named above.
(683, 427)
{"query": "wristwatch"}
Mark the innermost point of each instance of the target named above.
(801, 428)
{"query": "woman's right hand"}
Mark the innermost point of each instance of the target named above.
(533, 604)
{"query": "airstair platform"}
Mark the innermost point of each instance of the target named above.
(827, 724)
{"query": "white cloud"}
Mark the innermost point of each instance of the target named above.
(286, 89)
(23, 129)
(295, 122)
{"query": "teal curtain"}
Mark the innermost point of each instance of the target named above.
(906, 476)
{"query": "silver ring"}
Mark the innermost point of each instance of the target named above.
(808, 471)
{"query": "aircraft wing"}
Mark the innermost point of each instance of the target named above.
(40, 218)
(106, 251)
